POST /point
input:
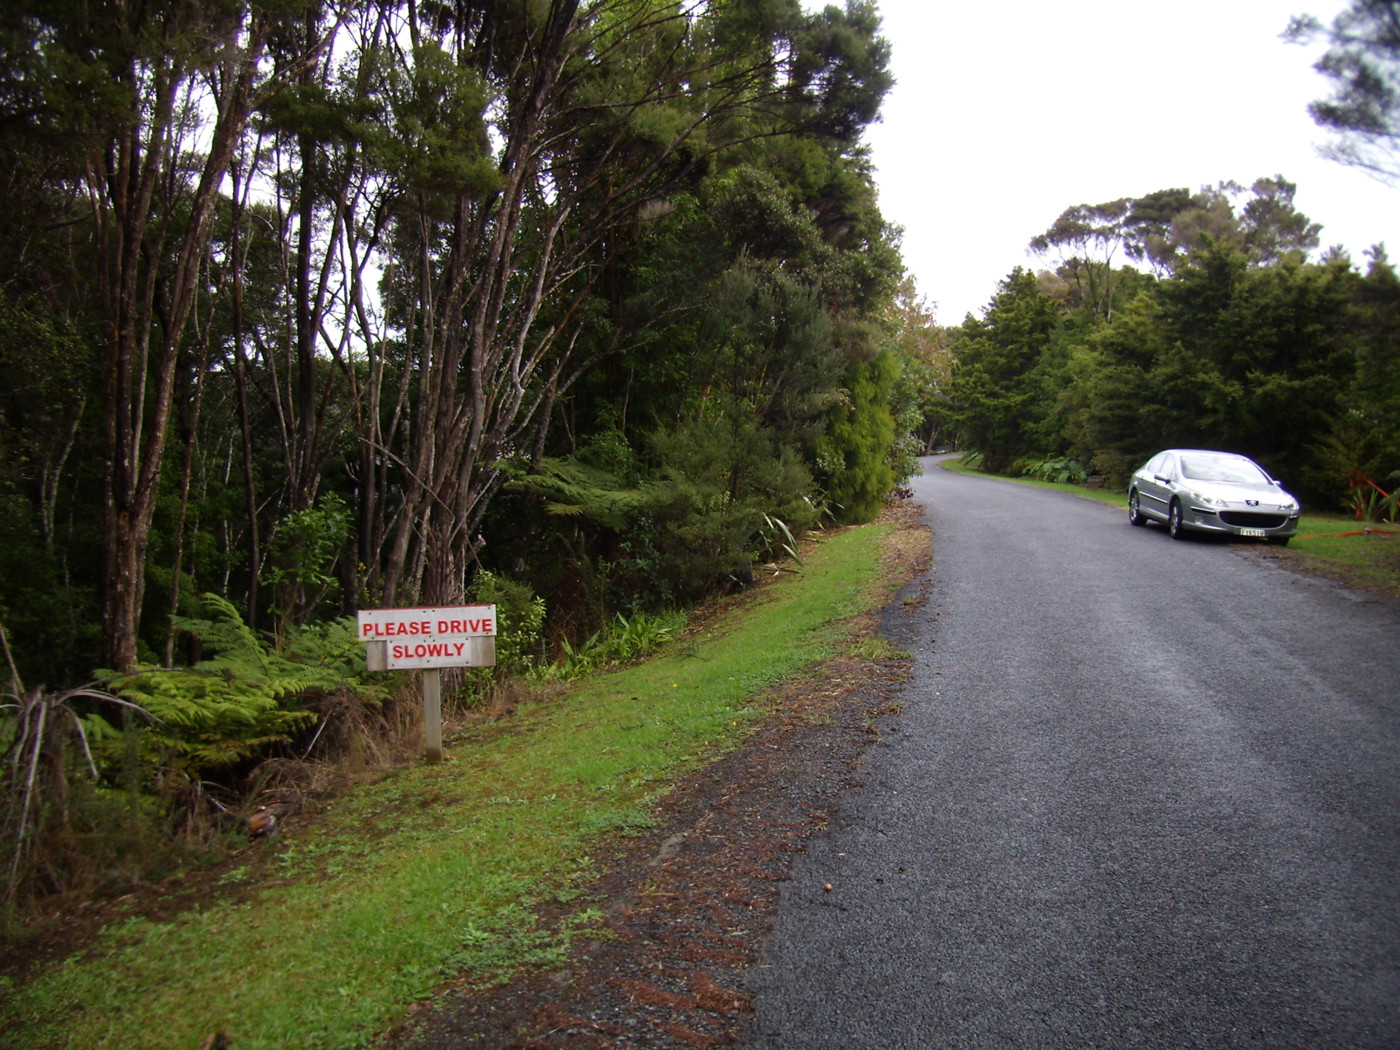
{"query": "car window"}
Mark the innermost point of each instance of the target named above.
(1154, 465)
(1167, 467)
(1231, 469)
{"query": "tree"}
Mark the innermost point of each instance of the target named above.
(1167, 226)
(856, 448)
(1273, 227)
(552, 195)
(921, 346)
(1148, 226)
(1087, 237)
(1363, 64)
(1269, 349)
(997, 387)
(601, 113)
(155, 98)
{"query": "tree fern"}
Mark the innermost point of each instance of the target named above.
(246, 696)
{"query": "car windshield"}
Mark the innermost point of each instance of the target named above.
(1230, 469)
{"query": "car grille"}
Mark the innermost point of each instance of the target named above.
(1244, 519)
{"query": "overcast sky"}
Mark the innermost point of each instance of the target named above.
(1006, 114)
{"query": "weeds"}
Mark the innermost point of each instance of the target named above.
(1371, 503)
(777, 535)
(126, 780)
(621, 642)
(38, 731)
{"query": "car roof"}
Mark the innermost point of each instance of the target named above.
(1206, 452)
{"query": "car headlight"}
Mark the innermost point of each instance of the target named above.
(1209, 501)
(1291, 507)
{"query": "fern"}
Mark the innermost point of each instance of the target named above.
(574, 489)
(246, 696)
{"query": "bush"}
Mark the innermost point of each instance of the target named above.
(1060, 470)
(519, 621)
(622, 641)
(248, 696)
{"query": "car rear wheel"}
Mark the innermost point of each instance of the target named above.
(1174, 522)
(1135, 510)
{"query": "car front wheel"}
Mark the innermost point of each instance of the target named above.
(1135, 510)
(1175, 525)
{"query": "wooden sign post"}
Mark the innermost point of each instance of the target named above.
(429, 639)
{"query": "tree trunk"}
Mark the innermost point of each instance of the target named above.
(148, 304)
(238, 253)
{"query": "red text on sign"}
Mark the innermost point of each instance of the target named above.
(482, 626)
(394, 628)
(400, 651)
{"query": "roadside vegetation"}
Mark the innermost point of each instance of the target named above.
(583, 309)
(322, 935)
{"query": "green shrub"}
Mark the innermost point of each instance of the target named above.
(1061, 470)
(247, 696)
(519, 621)
(622, 641)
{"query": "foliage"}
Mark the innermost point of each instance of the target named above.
(778, 537)
(246, 696)
(695, 514)
(1090, 235)
(723, 475)
(1374, 504)
(1060, 470)
(621, 642)
(1001, 365)
(1363, 64)
(857, 451)
(520, 617)
(304, 547)
(298, 288)
(37, 732)
(445, 869)
(921, 392)
(1239, 343)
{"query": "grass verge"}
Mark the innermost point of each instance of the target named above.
(1331, 546)
(325, 937)
(1328, 545)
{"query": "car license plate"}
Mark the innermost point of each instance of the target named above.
(1260, 533)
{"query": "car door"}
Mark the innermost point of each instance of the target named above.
(1154, 489)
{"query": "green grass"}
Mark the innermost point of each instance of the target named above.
(1366, 562)
(1370, 562)
(444, 869)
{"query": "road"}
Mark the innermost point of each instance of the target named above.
(1142, 793)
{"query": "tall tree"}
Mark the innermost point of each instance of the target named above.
(1087, 237)
(1149, 224)
(1363, 64)
(1165, 227)
(1001, 359)
(601, 112)
(157, 95)
(1273, 227)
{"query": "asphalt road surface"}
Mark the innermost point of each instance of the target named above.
(1142, 793)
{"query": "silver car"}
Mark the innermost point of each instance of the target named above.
(1194, 490)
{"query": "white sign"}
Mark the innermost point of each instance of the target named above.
(453, 636)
